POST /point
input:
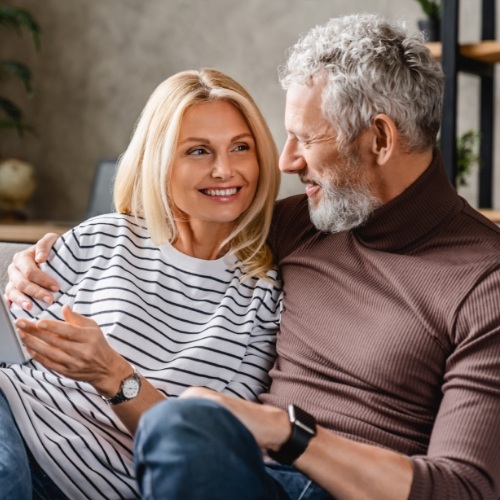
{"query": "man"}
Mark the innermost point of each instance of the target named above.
(389, 350)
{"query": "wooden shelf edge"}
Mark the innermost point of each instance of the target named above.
(493, 215)
(26, 232)
(487, 51)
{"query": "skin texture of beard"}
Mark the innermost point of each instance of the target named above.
(347, 200)
(342, 208)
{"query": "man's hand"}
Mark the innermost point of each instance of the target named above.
(269, 425)
(25, 278)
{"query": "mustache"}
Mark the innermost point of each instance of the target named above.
(306, 178)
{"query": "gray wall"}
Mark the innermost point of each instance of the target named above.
(101, 59)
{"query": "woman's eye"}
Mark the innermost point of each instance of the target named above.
(242, 147)
(197, 151)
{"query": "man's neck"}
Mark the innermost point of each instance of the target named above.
(400, 173)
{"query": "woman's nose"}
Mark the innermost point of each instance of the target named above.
(222, 168)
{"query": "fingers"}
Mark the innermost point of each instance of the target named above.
(27, 280)
(50, 331)
(44, 346)
(43, 246)
(11, 295)
(76, 319)
(24, 263)
(80, 353)
(19, 288)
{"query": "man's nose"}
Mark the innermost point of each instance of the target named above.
(291, 160)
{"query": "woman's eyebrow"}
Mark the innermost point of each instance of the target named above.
(204, 140)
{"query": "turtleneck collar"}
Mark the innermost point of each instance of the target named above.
(414, 213)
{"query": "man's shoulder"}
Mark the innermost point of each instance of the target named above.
(292, 226)
(477, 230)
(287, 208)
(480, 222)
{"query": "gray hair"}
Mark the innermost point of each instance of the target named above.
(371, 67)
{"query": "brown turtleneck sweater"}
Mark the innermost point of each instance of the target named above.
(390, 333)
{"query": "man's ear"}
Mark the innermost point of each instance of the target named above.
(385, 138)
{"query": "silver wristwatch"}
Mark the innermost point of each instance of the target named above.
(129, 389)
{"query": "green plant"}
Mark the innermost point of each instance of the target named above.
(18, 19)
(467, 147)
(467, 155)
(431, 8)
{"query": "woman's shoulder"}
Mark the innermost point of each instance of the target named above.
(113, 226)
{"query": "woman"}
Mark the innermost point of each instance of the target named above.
(179, 284)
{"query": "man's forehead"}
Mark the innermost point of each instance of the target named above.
(303, 112)
(309, 93)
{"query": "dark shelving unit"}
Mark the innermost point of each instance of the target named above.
(477, 59)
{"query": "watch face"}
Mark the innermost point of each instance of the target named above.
(131, 388)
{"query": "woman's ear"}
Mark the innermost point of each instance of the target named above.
(385, 138)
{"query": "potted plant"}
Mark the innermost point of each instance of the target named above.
(17, 178)
(467, 148)
(11, 116)
(431, 25)
(467, 155)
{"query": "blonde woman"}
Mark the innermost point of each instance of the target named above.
(176, 289)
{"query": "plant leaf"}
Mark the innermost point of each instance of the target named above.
(17, 69)
(431, 8)
(11, 110)
(21, 128)
(19, 18)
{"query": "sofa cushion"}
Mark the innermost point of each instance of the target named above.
(7, 251)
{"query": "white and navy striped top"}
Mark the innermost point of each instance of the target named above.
(181, 321)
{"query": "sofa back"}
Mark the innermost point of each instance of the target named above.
(7, 251)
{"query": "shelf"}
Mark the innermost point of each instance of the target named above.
(493, 215)
(487, 51)
(29, 232)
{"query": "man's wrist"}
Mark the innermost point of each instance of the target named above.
(284, 433)
(303, 429)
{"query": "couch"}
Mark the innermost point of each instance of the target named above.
(7, 251)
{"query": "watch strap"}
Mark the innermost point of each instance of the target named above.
(303, 430)
(119, 397)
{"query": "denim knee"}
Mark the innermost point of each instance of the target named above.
(191, 422)
(195, 448)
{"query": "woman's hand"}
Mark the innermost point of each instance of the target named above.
(76, 348)
(26, 279)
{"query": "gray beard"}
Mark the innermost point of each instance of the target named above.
(342, 209)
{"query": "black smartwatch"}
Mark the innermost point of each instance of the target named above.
(303, 430)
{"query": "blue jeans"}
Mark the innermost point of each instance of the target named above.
(21, 478)
(187, 449)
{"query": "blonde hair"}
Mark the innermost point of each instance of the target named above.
(149, 157)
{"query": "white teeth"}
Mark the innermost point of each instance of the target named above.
(220, 192)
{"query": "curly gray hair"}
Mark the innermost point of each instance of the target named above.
(371, 66)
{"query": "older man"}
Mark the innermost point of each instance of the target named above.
(387, 378)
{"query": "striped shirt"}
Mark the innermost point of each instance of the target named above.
(181, 321)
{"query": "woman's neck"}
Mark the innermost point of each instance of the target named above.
(201, 241)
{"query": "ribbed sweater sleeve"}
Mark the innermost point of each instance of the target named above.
(462, 461)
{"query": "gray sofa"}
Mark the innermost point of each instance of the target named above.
(7, 250)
